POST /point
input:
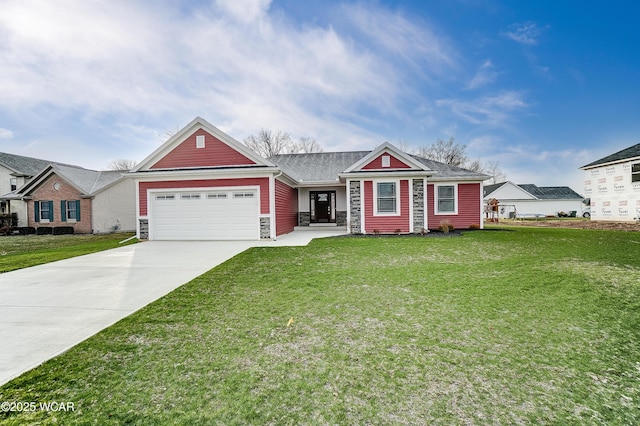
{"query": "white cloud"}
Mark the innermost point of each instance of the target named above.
(232, 62)
(5, 133)
(493, 110)
(527, 33)
(485, 75)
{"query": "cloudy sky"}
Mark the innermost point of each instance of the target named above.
(543, 87)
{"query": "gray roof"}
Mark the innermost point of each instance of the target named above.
(87, 181)
(541, 192)
(327, 166)
(631, 152)
(21, 165)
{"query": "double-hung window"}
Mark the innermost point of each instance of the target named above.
(70, 210)
(14, 183)
(446, 199)
(45, 210)
(386, 198)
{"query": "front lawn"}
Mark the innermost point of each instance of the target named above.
(518, 326)
(18, 252)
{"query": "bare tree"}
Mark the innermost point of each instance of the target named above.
(448, 152)
(268, 143)
(307, 146)
(491, 168)
(122, 164)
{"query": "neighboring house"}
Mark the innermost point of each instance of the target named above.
(530, 200)
(202, 184)
(88, 200)
(613, 184)
(15, 172)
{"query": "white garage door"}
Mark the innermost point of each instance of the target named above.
(205, 215)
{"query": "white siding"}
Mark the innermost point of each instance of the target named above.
(115, 207)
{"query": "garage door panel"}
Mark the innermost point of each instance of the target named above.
(205, 215)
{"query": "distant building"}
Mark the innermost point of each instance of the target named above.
(528, 200)
(613, 184)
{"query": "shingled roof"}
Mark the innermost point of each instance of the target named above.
(327, 166)
(86, 181)
(627, 153)
(540, 192)
(25, 166)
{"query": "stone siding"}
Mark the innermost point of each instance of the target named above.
(356, 207)
(265, 227)
(144, 229)
(418, 205)
(304, 218)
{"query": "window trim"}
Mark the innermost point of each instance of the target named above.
(70, 203)
(397, 211)
(436, 198)
(13, 183)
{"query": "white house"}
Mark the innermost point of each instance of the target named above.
(613, 184)
(534, 201)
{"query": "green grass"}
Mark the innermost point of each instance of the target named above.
(522, 326)
(18, 252)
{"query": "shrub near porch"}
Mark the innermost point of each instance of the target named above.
(495, 327)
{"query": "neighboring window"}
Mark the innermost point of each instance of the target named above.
(44, 211)
(190, 196)
(243, 194)
(635, 172)
(200, 141)
(165, 197)
(70, 210)
(14, 183)
(386, 161)
(386, 198)
(216, 195)
(446, 199)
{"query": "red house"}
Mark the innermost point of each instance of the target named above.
(202, 184)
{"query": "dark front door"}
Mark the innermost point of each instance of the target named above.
(322, 206)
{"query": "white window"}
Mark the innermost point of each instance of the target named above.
(72, 210)
(200, 141)
(165, 197)
(14, 183)
(386, 198)
(635, 172)
(190, 196)
(386, 161)
(446, 199)
(45, 210)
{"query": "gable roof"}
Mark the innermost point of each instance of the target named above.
(386, 148)
(539, 192)
(196, 124)
(24, 166)
(625, 154)
(87, 182)
(326, 167)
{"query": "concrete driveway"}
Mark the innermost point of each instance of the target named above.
(47, 309)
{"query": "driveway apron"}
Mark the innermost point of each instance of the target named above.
(47, 309)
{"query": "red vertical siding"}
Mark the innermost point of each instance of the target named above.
(263, 183)
(468, 207)
(386, 223)
(394, 163)
(215, 153)
(286, 208)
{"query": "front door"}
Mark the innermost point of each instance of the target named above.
(322, 206)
